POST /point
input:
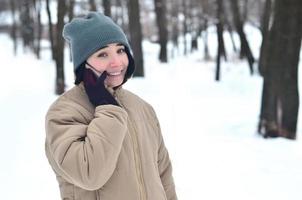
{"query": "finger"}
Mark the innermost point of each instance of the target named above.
(89, 76)
(102, 77)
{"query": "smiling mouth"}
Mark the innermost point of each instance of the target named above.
(114, 73)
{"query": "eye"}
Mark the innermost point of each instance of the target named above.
(121, 50)
(102, 55)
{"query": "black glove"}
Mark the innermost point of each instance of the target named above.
(95, 89)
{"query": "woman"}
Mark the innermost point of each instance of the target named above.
(102, 141)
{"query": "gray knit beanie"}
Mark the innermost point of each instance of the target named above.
(88, 34)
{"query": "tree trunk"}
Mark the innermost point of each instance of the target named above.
(185, 25)
(60, 80)
(281, 69)
(219, 38)
(39, 30)
(245, 48)
(92, 5)
(136, 36)
(175, 29)
(14, 25)
(27, 28)
(70, 17)
(50, 32)
(161, 19)
(71, 9)
(107, 7)
(264, 30)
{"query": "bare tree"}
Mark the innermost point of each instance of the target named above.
(221, 49)
(60, 79)
(92, 5)
(185, 24)
(136, 36)
(38, 28)
(281, 71)
(50, 31)
(107, 7)
(14, 25)
(245, 48)
(175, 26)
(71, 9)
(161, 19)
(26, 25)
(264, 30)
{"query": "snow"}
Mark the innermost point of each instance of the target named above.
(209, 127)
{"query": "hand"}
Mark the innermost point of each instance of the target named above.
(96, 90)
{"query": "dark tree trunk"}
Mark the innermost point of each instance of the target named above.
(70, 17)
(245, 48)
(231, 31)
(107, 7)
(281, 69)
(92, 5)
(14, 25)
(245, 10)
(264, 30)
(161, 19)
(71, 9)
(194, 24)
(136, 36)
(27, 25)
(39, 30)
(185, 25)
(120, 15)
(175, 29)
(50, 31)
(219, 27)
(60, 79)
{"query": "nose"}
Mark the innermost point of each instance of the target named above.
(115, 61)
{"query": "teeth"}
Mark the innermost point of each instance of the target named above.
(114, 73)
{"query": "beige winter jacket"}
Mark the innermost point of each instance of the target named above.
(107, 152)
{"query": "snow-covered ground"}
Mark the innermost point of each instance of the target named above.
(209, 127)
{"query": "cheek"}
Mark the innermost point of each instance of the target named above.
(125, 60)
(100, 66)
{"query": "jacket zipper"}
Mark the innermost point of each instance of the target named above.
(138, 162)
(136, 152)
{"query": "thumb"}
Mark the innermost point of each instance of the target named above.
(102, 77)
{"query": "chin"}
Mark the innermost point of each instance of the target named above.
(115, 84)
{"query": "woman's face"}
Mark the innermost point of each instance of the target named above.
(114, 60)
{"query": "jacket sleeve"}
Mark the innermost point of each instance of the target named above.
(85, 153)
(165, 167)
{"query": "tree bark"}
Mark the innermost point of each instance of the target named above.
(245, 48)
(161, 19)
(185, 25)
(136, 36)
(50, 31)
(281, 69)
(60, 79)
(27, 28)
(107, 7)
(39, 30)
(175, 29)
(14, 25)
(264, 30)
(92, 5)
(219, 27)
(71, 9)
